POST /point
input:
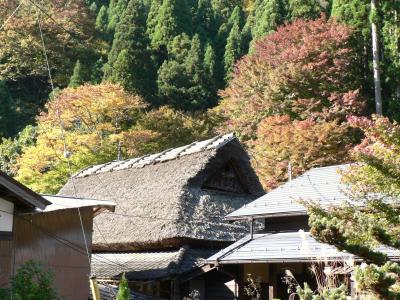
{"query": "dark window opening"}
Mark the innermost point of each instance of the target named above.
(226, 179)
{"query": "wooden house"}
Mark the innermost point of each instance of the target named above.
(169, 214)
(284, 242)
(47, 229)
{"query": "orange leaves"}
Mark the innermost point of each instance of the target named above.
(304, 144)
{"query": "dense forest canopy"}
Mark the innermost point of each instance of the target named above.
(89, 81)
(199, 67)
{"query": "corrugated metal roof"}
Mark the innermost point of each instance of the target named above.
(109, 292)
(318, 184)
(284, 247)
(61, 202)
(148, 265)
(140, 162)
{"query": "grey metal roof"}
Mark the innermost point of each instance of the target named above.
(318, 184)
(110, 291)
(148, 265)
(61, 202)
(284, 247)
(166, 155)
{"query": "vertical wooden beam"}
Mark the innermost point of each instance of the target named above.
(270, 292)
(272, 287)
(94, 288)
(251, 227)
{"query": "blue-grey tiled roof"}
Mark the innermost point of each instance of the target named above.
(318, 184)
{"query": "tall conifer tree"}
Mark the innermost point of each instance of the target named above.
(115, 12)
(232, 50)
(77, 77)
(173, 18)
(129, 60)
(269, 15)
(102, 19)
(305, 9)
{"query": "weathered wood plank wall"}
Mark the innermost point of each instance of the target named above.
(43, 237)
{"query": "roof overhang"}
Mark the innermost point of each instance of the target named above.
(263, 216)
(58, 203)
(21, 195)
(285, 247)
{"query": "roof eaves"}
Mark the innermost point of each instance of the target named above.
(264, 216)
(25, 194)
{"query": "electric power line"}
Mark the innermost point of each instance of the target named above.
(66, 154)
(10, 16)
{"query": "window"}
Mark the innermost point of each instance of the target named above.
(226, 179)
(6, 219)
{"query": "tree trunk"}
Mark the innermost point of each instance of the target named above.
(375, 60)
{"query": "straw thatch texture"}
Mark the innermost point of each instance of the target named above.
(162, 204)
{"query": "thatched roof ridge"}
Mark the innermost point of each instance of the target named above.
(169, 154)
(162, 203)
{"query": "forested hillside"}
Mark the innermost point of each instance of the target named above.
(137, 76)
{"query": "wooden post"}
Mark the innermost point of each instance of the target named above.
(251, 228)
(270, 292)
(94, 288)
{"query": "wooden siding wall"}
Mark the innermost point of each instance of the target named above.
(6, 259)
(43, 239)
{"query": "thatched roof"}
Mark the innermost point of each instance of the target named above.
(145, 266)
(163, 199)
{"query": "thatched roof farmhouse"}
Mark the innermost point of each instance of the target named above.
(169, 200)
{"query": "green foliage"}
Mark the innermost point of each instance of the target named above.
(102, 19)
(7, 111)
(372, 182)
(173, 18)
(357, 13)
(129, 62)
(115, 11)
(77, 76)
(182, 80)
(124, 293)
(308, 9)
(204, 20)
(269, 15)
(306, 293)
(232, 49)
(11, 148)
(31, 282)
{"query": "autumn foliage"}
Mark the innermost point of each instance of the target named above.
(289, 99)
(97, 120)
(303, 143)
(305, 70)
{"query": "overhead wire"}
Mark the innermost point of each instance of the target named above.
(59, 239)
(11, 15)
(66, 154)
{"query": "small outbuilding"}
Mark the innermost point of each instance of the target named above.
(169, 214)
(55, 231)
